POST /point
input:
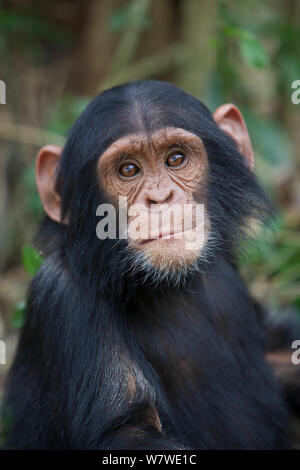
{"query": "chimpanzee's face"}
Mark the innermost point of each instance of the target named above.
(164, 180)
(166, 175)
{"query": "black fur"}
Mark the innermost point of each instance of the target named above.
(195, 352)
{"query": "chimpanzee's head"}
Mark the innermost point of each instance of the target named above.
(183, 175)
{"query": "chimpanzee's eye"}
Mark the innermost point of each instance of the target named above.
(175, 159)
(129, 169)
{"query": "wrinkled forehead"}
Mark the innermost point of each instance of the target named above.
(152, 142)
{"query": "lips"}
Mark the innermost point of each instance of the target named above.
(162, 236)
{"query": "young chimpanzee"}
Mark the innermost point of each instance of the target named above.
(146, 342)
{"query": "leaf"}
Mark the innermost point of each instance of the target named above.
(18, 316)
(251, 48)
(31, 259)
(252, 51)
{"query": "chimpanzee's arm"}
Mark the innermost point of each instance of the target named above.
(68, 385)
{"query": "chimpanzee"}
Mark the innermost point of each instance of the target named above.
(144, 342)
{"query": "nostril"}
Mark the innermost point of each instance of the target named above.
(160, 199)
(151, 201)
(168, 198)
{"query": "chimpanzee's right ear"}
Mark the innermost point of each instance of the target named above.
(47, 161)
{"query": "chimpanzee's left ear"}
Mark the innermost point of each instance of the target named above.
(230, 120)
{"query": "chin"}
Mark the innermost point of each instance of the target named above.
(169, 255)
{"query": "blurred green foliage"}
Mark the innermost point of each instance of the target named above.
(31, 259)
(32, 201)
(18, 316)
(62, 115)
(271, 263)
(32, 31)
(129, 17)
(31, 262)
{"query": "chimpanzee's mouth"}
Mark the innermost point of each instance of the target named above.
(171, 235)
(160, 236)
